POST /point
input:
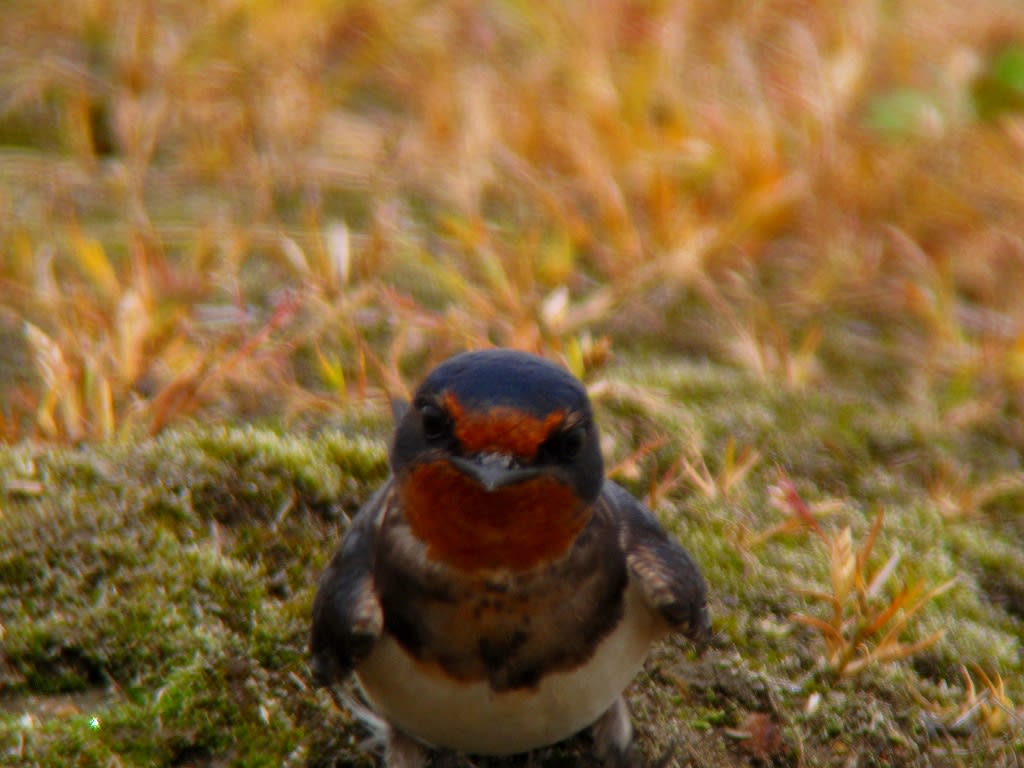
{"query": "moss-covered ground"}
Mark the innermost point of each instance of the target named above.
(155, 595)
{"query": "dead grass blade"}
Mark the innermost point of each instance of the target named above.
(864, 628)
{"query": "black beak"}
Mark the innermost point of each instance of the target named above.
(492, 472)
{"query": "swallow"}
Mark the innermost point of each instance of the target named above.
(497, 594)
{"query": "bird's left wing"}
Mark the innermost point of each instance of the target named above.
(669, 578)
(347, 617)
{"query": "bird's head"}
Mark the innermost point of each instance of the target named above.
(497, 460)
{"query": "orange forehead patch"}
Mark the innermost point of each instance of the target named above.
(500, 429)
(471, 529)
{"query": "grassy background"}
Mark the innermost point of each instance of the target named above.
(781, 243)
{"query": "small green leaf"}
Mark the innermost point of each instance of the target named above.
(901, 113)
(1000, 87)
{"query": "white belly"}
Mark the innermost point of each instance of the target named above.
(472, 717)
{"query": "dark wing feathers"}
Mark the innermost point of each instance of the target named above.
(347, 617)
(670, 579)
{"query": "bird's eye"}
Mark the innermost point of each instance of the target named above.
(567, 445)
(436, 424)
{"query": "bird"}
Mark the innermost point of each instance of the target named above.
(498, 593)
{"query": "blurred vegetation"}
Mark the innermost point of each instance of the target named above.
(783, 243)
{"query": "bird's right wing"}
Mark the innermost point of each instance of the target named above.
(347, 617)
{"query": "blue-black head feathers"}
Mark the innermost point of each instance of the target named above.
(514, 384)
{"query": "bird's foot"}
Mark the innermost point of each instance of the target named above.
(403, 751)
(613, 736)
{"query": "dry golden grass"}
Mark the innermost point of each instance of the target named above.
(323, 198)
(862, 629)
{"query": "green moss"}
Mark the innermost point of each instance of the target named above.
(177, 575)
(179, 571)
